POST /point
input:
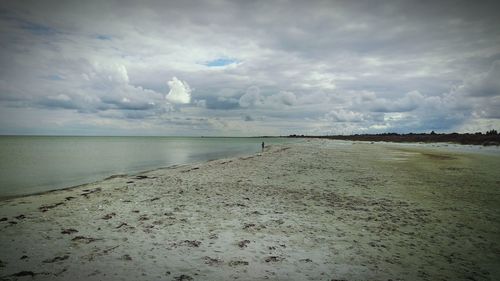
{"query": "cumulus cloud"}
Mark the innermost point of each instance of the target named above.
(180, 92)
(251, 97)
(342, 115)
(409, 102)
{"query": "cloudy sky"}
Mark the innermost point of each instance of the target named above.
(240, 68)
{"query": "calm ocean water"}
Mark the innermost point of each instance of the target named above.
(31, 164)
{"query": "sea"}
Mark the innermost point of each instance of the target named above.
(34, 164)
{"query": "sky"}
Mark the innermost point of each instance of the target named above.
(248, 68)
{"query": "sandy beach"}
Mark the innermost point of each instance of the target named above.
(313, 210)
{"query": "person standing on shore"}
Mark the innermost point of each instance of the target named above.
(262, 146)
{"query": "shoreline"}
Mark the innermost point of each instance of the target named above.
(34, 165)
(173, 166)
(440, 145)
(7, 198)
(312, 210)
(135, 171)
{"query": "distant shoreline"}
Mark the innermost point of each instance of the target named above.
(488, 139)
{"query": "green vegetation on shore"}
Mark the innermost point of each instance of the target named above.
(489, 138)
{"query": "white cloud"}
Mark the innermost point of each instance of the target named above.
(410, 101)
(180, 92)
(342, 115)
(251, 97)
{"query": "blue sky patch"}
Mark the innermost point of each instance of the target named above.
(53, 77)
(220, 62)
(37, 29)
(103, 37)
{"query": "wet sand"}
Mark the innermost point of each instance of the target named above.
(318, 210)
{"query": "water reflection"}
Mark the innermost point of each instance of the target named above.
(35, 164)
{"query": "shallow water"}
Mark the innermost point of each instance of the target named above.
(31, 164)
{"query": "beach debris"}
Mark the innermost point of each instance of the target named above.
(143, 218)
(306, 260)
(105, 251)
(248, 225)
(246, 158)
(191, 243)
(45, 208)
(192, 169)
(212, 261)
(3, 219)
(283, 149)
(68, 231)
(88, 191)
(158, 222)
(20, 217)
(235, 205)
(2, 264)
(237, 263)
(115, 176)
(135, 211)
(69, 198)
(148, 227)
(109, 216)
(130, 182)
(253, 226)
(183, 277)
(61, 271)
(97, 252)
(56, 259)
(84, 239)
(122, 224)
(23, 273)
(274, 259)
(279, 221)
(12, 222)
(141, 177)
(23, 257)
(126, 257)
(243, 244)
(154, 199)
(213, 236)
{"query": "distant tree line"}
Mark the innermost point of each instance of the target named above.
(491, 137)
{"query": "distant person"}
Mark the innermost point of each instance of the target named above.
(262, 146)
